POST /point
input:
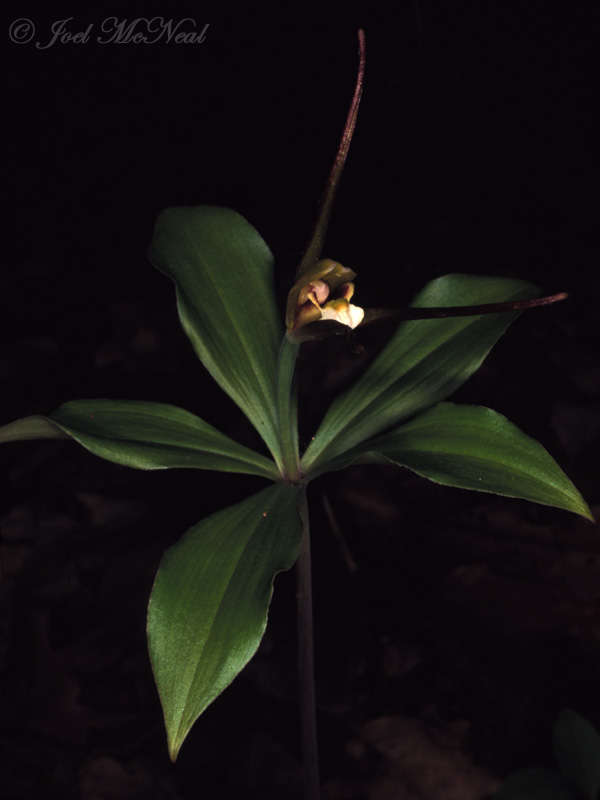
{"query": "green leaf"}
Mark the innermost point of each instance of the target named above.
(224, 276)
(536, 784)
(208, 608)
(577, 748)
(142, 435)
(472, 447)
(425, 361)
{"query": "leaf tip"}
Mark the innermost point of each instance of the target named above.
(175, 739)
(580, 507)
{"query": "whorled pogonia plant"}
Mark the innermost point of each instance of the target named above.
(208, 608)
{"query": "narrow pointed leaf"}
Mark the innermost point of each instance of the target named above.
(536, 784)
(472, 447)
(577, 748)
(143, 435)
(208, 608)
(223, 272)
(425, 361)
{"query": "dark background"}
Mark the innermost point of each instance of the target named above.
(469, 617)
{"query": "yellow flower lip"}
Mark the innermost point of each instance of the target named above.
(322, 294)
(344, 312)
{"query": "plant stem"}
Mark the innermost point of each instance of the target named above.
(287, 403)
(308, 710)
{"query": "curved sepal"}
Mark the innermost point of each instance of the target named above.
(143, 435)
(208, 608)
(424, 362)
(472, 447)
(223, 272)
